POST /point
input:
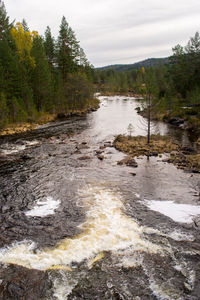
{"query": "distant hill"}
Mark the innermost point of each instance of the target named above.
(150, 62)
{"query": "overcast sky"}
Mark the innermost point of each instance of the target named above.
(115, 31)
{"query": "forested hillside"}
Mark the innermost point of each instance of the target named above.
(150, 62)
(40, 75)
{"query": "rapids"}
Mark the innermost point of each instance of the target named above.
(74, 226)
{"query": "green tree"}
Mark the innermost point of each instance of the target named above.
(66, 49)
(3, 110)
(5, 25)
(150, 88)
(41, 76)
(25, 25)
(49, 45)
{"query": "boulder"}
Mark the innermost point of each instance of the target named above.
(128, 161)
(100, 156)
(85, 157)
(133, 174)
(132, 163)
(82, 146)
(176, 121)
(61, 116)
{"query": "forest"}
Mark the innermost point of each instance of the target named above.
(41, 75)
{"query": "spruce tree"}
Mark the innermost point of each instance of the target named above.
(49, 45)
(41, 76)
(25, 26)
(66, 49)
(5, 25)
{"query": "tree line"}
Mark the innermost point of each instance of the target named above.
(41, 74)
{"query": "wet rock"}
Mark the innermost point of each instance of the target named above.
(108, 144)
(82, 146)
(23, 178)
(61, 116)
(99, 152)
(167, 160)
(154, 153)
(21, 283)
(188, 150)
(85, 157)
(77, 152)
(176, 121)
(3, 240)
(128, 161)
(133, 174)
(132, 163)
(100, 156)
(188, 286)
(195, 171)
(196, 290)
(102, 147)
(5, 209)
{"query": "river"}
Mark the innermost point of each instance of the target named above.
(74, 226)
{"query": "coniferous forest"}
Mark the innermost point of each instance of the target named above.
(41, 75)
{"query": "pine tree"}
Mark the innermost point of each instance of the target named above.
(5, 25)
(41, 76)
(66, 49)
(25, 26)
(49, 45)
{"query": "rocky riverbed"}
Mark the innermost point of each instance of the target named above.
(76, 225)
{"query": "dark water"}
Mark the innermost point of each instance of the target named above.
(77, 227)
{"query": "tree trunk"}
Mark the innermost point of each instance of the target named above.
(149, 119)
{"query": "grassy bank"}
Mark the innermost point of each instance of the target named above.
(44, 117)
(182, 157)
(187, 115)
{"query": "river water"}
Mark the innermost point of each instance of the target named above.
(77, 227)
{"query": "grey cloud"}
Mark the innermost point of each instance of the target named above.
(113, 30)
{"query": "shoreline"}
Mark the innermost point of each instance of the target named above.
(20, 127)
(171, 118)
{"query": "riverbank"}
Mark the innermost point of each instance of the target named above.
(44, 118)
(183, 157)
(125, 94)
(183, 117)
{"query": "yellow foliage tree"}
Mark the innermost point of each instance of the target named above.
(143, 70)
(24, 43)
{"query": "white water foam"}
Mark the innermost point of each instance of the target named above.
(106, 228)
(43, 208)
(178, 235)
(63, 285)
(14, 148)
(183, 213)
